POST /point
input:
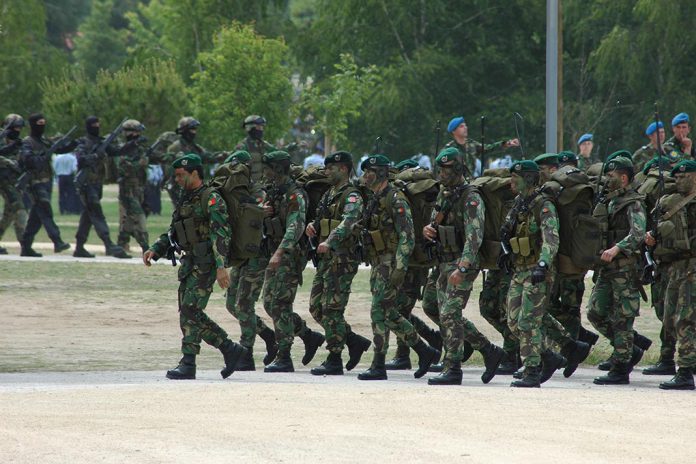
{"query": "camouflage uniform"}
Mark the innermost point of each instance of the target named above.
(472, 151)
(527, 302)
(280, 285)
(339, 211)
(13, 209)
(642, 156)
(673, 149)
(178, 147)
(132, 177)
(256, 148)
(493, 304)
(197, 273)
(615, 299)
(585, 163)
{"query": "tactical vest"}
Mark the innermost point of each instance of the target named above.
(616, 223)
(527, 242)
(132, 174)
(380, 237)
(677, 229)
(44, 171)
(275, 226)
(94, 172)
(452, 231)
(649, 186)
(330, 215)
(255, 148)
(192, 227)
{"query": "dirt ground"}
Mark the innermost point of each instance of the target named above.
(84, 347)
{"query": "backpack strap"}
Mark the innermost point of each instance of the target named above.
(685, 201)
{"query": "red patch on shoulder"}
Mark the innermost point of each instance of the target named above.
(293, 196)
(211, 202)
(352, 199)
(474, 203)
(401, 210)
(545, 210)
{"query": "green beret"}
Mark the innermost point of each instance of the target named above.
(407, 164)
(566, 157)
(276, 156)
(684, 167)
(339, 157)
(653, 163)
(447, 155)
(546, 159)
(374, 161)
(623, 153)
(522, 166)
(242, 156)
(618, 162)
(188, 160)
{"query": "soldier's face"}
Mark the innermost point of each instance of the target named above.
(462, 131)
(448, 174)
(335, 173)
(686, 182)
(586, 148)
(269, 173)
(653, 137)
(615, 180)
(546, 171)
(681, 130)
(370, 178)
(184, 178)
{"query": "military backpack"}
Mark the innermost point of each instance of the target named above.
(494, 187)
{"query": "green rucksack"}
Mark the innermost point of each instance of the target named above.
(582, 235)
(421, 189)
(315, 183)
(233, 183)
(494, 187)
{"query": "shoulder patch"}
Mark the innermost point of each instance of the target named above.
(212, 201)
(293, 196)
(545, 209)
(353, 198)
(473, 203)
(401, 210)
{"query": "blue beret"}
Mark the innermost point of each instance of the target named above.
(653, 127)
(584, 138)
(454, 123)
(680, 118)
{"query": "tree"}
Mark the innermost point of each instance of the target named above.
(26, 57)
(100, 46)
(339, 99)
(152, 93)
(243, 74)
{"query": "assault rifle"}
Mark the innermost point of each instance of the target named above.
(316, 224)
(521, 206)
(100, 149)
(648, 275)
(26, 177)
(483, 144)
(433, 246)
(174, 248)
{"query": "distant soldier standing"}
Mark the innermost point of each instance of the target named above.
(458, 225)
(284, 228)
(647, 152)
(586, 157)
(200, 226)
(334, 230)
(132, 177)
(615, 299)
(388, 240)
(254, 144)
(680, 143)
(13, 209)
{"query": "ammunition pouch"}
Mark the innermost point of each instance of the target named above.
(326, 226)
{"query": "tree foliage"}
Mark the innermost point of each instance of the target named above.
(152, 93)
(100, 45)
(243, 74)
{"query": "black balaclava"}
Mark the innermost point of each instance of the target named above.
(256, 133)
(36, 130)
(90, 127)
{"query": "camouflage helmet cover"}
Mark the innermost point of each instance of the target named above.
(253, 120)
(14, 120)
(133, 125)
(187, 122)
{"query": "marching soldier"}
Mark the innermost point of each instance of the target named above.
(13, 212)
(254, 144)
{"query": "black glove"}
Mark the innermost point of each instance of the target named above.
(505, 263)
(539, 274)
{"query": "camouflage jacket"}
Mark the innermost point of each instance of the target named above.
(472, 151)
(466, 212)
(92, 163)
(132, 164)
(627, 220)
(345, 204)
(642, 156)
(256, 148)
(674, 145)
(290, 207)
(541, 224)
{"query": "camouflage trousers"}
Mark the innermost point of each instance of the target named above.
(614, 304)
(13, 212)
(414, 282)
(245, 287)
(456, 329)
(670, 279)
(493, 306)
(385, 311)
(566, 299)
(195, 287)
(429, 302)
(279, 290)
(526, 313)
(329, 297)
(686, 324)
(132, 222)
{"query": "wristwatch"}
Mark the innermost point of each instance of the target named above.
(542, 264)
(462, 269)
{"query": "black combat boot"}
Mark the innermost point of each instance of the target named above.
(575, 352)
(28, 251)
(376, 370)
(641, 341)
(357, 345)
(186, 370)
(81, 252)
(312, 341)
(492, 356)
(282, 363)
(231, 351)
(439, 367)
(268, 337)
(663, 367)
(508, 365)
(605, 365)
(587, 336)
(60, 246)
(449, 376)
(401, 361)
(115, 251)
(618, 375)
(467, 351)
(427, 355)
(530, 379)
(332, 366)
(246, 361)
(636, 356)
(550, 363)
(431, 336)
(3, 250)
(683, 380)
(519, 373)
